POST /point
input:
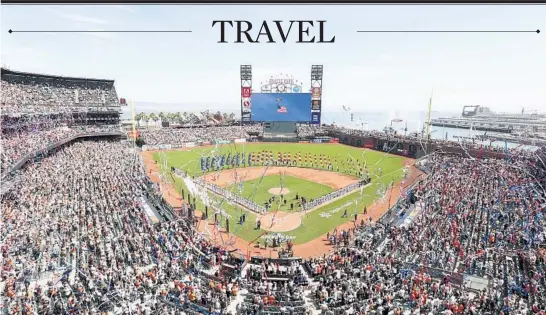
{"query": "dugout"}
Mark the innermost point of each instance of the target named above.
(281, 261)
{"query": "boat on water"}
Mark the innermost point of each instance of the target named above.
(482, 118)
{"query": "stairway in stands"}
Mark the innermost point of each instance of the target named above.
(308, 294)
(232, 307)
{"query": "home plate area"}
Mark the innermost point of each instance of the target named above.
(280, 221)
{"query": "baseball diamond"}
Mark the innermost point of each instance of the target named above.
(307, 172)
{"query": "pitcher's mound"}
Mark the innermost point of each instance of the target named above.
(278, 191)
(280, 221)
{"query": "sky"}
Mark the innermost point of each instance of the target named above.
(365, 71)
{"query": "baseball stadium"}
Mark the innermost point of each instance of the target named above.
(267, 212)
(279, 195)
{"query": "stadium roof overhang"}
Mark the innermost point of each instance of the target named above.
(47, 76)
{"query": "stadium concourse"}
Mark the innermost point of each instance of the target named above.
(85, 231)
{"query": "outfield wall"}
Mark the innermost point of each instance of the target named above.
(403, 146)
(280, 139)
(189, 144)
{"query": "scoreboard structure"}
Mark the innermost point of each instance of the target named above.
(246, 92)
(316, 94)
(281, 98)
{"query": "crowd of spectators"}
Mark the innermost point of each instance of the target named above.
(490, 214)
(311, 131)
(176, 136)
(16, 143)
(76, 239)
(33, 93)
(424, 141)
(39, 110)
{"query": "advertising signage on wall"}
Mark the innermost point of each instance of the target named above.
(245, 92)
(315, 105)
(315, 118)
(316, 93)
(246, 105)
(246, 116)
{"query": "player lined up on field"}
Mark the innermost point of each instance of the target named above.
(346, 165)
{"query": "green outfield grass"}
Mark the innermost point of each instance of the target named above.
(257, 190)
(383, 169)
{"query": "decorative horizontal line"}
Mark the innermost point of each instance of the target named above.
(142, 31)
(437, 31)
